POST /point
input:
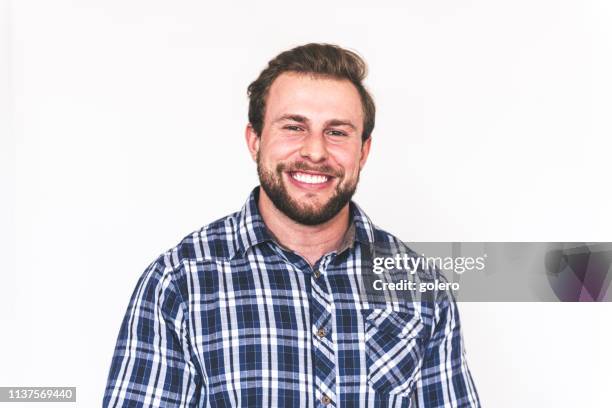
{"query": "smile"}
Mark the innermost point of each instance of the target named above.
(309, 178)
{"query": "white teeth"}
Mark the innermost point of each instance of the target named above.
(309, 178)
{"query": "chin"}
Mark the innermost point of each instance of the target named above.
(316, 199)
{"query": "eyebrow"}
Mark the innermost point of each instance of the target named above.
(338, 122)
(303, 119)
(293, 117)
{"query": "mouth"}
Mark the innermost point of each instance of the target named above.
(310, 180)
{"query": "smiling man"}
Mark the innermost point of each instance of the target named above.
(308, 157)
(265, 307)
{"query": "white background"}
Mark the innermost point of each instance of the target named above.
(122, 131)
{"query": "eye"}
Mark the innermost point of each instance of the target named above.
(293, 128)
(336, 133)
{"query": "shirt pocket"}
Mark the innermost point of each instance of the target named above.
(394, 349)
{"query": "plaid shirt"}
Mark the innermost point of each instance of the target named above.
(230, 318)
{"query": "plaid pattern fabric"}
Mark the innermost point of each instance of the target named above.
(229, 318)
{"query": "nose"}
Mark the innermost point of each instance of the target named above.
(314, 148)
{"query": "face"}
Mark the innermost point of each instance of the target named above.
(310, 150)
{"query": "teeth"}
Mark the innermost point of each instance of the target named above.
(309, 178)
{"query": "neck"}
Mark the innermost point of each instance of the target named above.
(309, 241)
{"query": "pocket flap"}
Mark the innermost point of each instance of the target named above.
(400, 323)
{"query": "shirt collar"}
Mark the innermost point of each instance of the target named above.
(252, 231)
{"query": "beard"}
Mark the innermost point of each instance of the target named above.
(306, 214)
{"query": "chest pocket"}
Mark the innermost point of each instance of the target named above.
(394, 349)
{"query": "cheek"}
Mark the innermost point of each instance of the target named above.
(348, 159)
(277, 149)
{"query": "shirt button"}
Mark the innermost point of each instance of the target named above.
(321, 332)
(325, 400)
(317, 274)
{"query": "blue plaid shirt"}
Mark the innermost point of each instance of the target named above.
(229, 318)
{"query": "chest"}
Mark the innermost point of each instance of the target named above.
(264, 326)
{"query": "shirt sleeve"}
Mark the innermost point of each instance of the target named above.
(151, 365)
(445, 379)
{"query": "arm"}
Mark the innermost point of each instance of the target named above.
(445, 380)
(151, 366)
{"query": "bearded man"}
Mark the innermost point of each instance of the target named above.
(264, 307)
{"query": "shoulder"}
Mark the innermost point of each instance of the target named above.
(166, 280)
(211, 244)
(390, 245)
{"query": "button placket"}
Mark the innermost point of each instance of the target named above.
(324, 357)
(321, 266)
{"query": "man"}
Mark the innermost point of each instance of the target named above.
(264, 307)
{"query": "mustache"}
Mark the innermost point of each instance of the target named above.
(302, 166)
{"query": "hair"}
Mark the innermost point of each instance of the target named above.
(325, 60)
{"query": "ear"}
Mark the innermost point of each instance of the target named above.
(252, 139)
(365, 151)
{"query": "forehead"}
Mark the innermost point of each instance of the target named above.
(314, 97)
